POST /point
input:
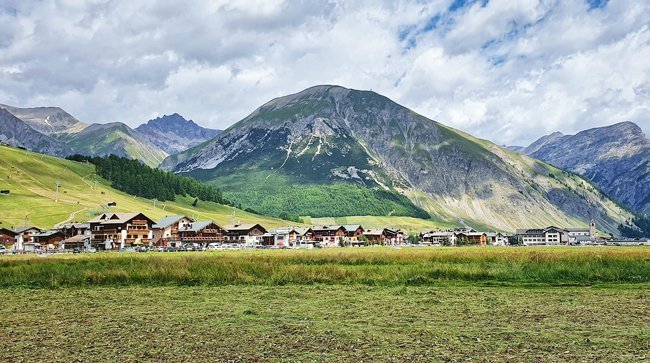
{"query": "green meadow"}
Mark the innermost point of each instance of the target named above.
(346, 304)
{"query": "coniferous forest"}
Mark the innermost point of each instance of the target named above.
(133, 177)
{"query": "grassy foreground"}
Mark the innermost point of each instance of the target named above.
(325, 323)
(369, 304)
(367, 266)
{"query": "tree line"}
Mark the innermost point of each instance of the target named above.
(135, 178)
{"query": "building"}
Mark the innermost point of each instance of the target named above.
(73, 229)
(353, 233)
(583, 236)
(79, 241)
(329, 235)
(201, 232)
(498, 239)
(7, 237)
(119, 230)
(437, 238)
(48, 239)
(165, 231)
(549, 236)
(393, 237)
(250, 234)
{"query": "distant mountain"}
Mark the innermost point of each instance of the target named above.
(514, 148)
(61, 134)
(332, 151)
(113, 138)
(16, 132)
(174, 133)
(616, 158)
(47, 120)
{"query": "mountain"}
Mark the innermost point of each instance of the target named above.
(174, 133)
(47, 120)
(332, 151)
(113, 138)
(16, 132)
(616, 158)
(542, 142)
(62, 134)
(32, 197)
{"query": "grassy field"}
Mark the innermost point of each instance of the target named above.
(31, 179)
(365, 266)
(367, 304)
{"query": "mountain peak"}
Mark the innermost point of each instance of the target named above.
(47, 120)
(173, 133)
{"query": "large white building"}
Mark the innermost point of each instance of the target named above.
(549, 236)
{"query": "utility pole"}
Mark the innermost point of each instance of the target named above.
(58, 184)
(154, 202)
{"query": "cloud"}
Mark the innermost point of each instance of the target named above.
(502, 70)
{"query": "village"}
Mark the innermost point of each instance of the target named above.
(136, 232)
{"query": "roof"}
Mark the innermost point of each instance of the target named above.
(241, 227)
(23, 229)
(373, 232)
(8, 230)
(75, 225)
(168, 221)
(198, 226)
(352, 227)
(327, 228)
(579, 229)
(116, 218)
(47, 233)
(77, 238)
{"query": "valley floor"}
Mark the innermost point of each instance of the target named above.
(325, 323)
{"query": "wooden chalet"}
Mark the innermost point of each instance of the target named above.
(50, 237)
(73, 229)
(353, 233)
(329, 234)
(166, 230)
(7, 236)
(244, 233)
(202, 232)
(111, 230)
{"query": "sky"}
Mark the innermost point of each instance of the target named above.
(508, 71)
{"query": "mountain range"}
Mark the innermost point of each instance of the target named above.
(330, 150)
(616, 158)
(53, 131)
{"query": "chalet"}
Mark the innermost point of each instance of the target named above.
(166, 230)
(52, 237)
(73, 229)
(304, 235)
(497, 239)
(353, 233)
(7, 236)
(438, 238)
(24, 236)
(549, 236)
(77, 241)
(111, 230)
(250, 234)
(393, 236)
(374, 236)
(329, 235)
(472, 238)
(201, 232)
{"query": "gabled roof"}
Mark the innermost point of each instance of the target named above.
(23, 229)
(75, 225)
(579, 229)
(77, 238)
(242, 227)
(47, 233)
(12, 232)
(116, 218)
(328, 228)
(168, 221)
(352, 227)
(198, 226)
(373, 232)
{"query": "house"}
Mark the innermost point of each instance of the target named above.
(438, 238)
(472, 238)
(7, 236)
(549, 236)
(498, 239)
(374, 236)
(393, 237)
(49, 238)
(77, 241)
(73, 229)
(118, 230)
(329, 235)
(24, 238)
(201, 232)
(166, 230)
(353, 233)
(250, 234)
(304, 235)
(284, 237)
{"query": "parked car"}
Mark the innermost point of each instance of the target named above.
(160, 249)
(76, 250)
(170, 249)
(3, 250)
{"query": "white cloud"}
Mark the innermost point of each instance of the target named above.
(503, 70)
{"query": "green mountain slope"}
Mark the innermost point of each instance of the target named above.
(113, 138)
(31, 179)
(303, 153)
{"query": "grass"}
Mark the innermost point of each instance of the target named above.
(325, 323)
(31, 179)
(366, 304)
(365, 266)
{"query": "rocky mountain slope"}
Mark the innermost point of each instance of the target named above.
(173, 133)
(328, 139)
(16, 132)
(616, 158)
(47, 120)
